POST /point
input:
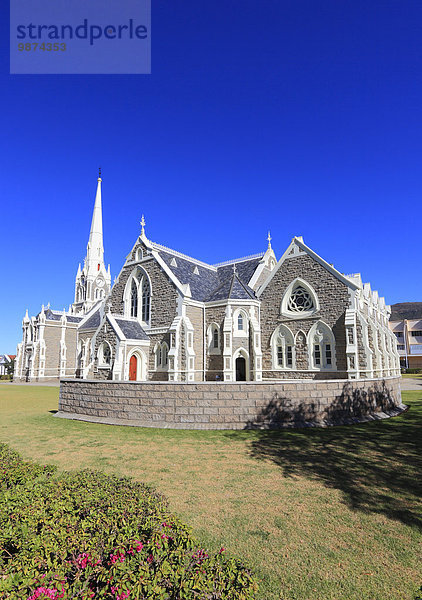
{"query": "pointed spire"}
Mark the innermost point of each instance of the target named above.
(143, 225)
(26, 317)
(95, 245)
(269, 238)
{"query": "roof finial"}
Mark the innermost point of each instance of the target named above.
(269, 238)
(234, 269)
(99, 174)
(143, 225)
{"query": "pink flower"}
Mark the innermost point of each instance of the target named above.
(200, 556)
(44, 592)
(83, 560)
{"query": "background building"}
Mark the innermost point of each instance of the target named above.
(6, 364)
(406, 324)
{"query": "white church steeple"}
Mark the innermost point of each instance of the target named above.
(95, 248)
(93, 281)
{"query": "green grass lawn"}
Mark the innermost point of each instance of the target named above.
(412, 376)
(318, 514)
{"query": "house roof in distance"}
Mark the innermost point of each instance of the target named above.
(406, 310)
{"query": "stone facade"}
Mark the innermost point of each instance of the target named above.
(230, 405)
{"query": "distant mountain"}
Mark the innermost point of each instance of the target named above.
(406, 310)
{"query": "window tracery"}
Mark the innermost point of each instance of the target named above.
(322, 346)
(283, 348)
(300, 300)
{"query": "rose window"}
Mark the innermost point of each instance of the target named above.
(300, 301)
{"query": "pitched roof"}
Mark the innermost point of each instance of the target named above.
(51, 315)
(201, 284)
(73, 319)
(244, 268)
(131, 329)
(55, 315)
(232, 288)
(93, 322)
(406, 310)
(209, 282)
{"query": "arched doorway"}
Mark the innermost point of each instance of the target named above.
(133, 368)
(240, 368)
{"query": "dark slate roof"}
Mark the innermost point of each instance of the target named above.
(406, 310)
(52, 316)
(233, 288)
(73, 319)
(131, 329)
(201, 285)
(93, 322)
(205, 285)
(245, 269)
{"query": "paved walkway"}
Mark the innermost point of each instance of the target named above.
(46, 383)
(406, 384)
(411, 384)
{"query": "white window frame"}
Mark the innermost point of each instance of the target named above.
(161, 352)
(212, 329)
(101, 362)
(320, 335)
(138, 276)
(240, 332)
(284, 338)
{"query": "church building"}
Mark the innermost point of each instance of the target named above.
(171, 317)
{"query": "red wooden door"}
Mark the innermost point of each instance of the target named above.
(133, 368)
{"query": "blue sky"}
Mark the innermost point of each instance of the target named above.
(301, 117)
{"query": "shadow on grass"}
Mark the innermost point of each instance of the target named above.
(376, 465)
(53, 412)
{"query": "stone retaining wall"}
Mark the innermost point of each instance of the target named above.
(212, 405)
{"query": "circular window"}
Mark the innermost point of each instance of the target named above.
(300, 301)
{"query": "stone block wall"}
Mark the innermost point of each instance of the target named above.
(218, 405)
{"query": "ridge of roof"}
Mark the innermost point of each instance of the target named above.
(184, 256)
(238, 260)
(245, 286)
(230, 282)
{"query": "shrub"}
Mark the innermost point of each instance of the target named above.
(412, 371)
(90, 535)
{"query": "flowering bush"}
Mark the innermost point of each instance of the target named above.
(90, 535)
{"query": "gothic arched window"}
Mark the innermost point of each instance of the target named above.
(161, 356)
(104, 354)
(215, 338)
(240, 321)
(134, 299)
(146, 298)
(299, 300)
(321, 345)
(283, 348)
